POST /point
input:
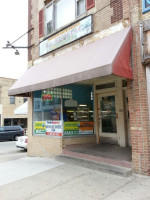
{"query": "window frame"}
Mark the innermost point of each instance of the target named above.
(76, 9)
(12, 98)
(53, 18)
(52, 3)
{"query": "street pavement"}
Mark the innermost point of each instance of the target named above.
(25, 178)
(8, 151)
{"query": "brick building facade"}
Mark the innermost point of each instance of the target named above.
(120, 97)
(9, 104)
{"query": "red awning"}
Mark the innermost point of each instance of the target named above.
(107, 56)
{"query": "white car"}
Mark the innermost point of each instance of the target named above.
(22, 142)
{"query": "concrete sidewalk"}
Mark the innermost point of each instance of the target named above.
(49, 179)
(25, 167)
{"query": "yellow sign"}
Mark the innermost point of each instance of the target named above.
(40, 127)
(71, 126)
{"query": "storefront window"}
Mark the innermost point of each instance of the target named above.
(45, 108)
(76, 103)
(78, 111)
(47, 112)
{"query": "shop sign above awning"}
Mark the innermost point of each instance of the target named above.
(76, 31)
(107, 56)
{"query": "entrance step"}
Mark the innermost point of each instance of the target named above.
(96, 165)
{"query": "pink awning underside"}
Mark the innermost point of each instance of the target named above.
(107, 56)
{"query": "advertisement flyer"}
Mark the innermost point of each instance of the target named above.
(71, 128)
(39, 127)
(78, 128)
(86, 128)
(54, 128)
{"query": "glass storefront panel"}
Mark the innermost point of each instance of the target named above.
(77, 106)
(47, 112)
(45, 109)
(108, 114)
(78, 111)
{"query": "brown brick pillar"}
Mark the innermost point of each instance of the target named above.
(29, 27)
(138, 107)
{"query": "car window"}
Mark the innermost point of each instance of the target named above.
(12, 128)
(1, 129)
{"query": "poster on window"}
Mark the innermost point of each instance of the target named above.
(86, 128)
(66, 36)
(40, 127)
(78, 128)
(71, 128)
(54, 128)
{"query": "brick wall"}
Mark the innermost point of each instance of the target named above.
(7, 108)
(103, 12)
(138, 105)
(44, 146)
(107, 14)
(29, 27)
(79, 140)
(104, 16)
(117, 10)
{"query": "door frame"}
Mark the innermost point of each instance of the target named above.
(101, 134)
(120, 138)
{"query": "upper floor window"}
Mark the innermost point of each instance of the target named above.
(49, 18)
(12, 100)
(64, 12)
(80, 7)
(60, 13)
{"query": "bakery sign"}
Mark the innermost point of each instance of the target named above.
(66, 36)
(146, 6)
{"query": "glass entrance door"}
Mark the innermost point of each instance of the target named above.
(107, 115)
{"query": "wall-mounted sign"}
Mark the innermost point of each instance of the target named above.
(47, 97)
(66, 36)
(146, 6)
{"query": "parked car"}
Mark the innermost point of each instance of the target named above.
(11, 132)
(22, 142)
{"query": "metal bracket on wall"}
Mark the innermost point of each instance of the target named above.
(144, 33)
(11, 46)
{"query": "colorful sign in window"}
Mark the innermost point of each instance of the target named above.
(146, 6)
(51, 128)
(78, 128)
(47, 97)
(40, 127)
(54, 128)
